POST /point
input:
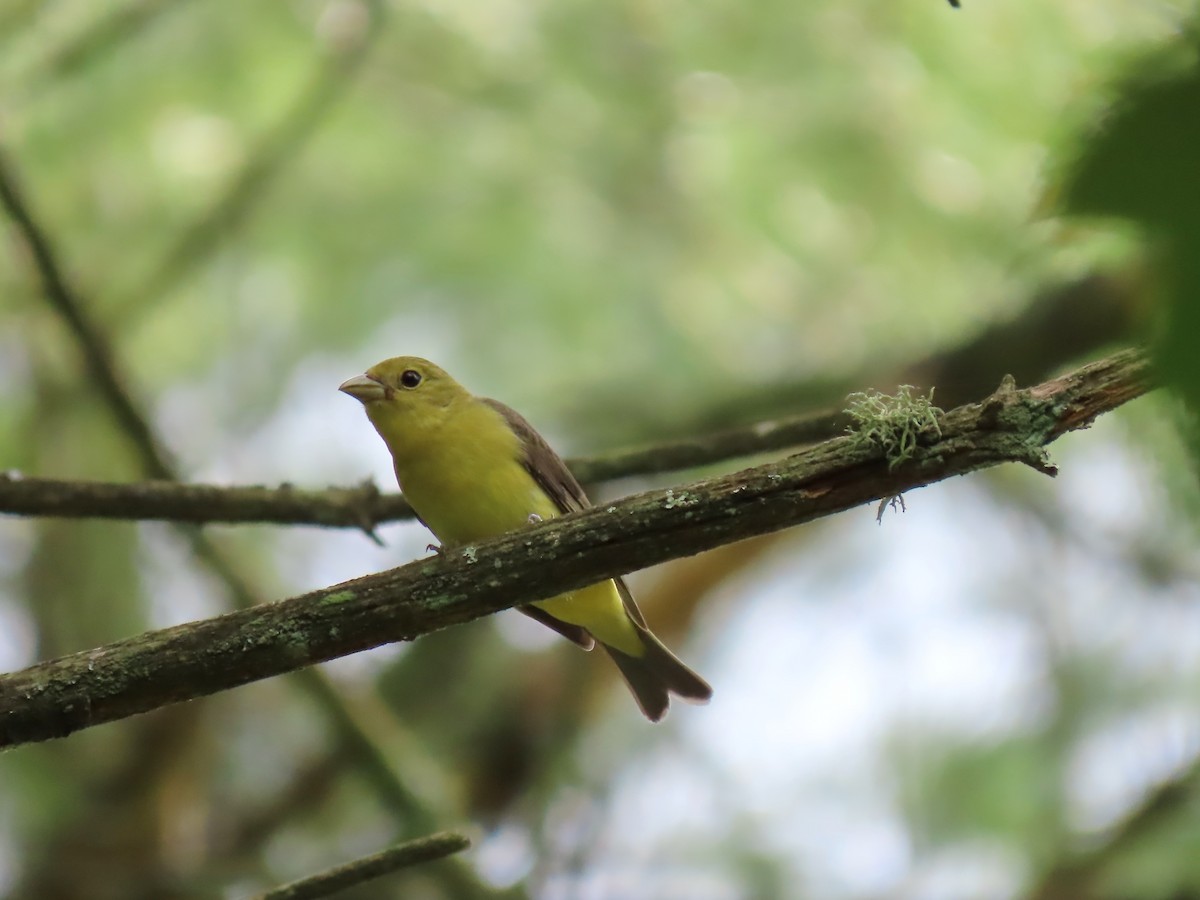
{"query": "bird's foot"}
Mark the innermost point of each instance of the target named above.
(534, 518)
(434, 549)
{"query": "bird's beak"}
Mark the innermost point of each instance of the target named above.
(363, 388)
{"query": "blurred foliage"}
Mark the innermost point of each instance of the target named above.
(1141, 166)
(628, 220)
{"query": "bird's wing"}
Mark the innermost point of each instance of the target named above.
(576, 634)
(631, 606)
(551, 474)
(543, 464)
(553, 477)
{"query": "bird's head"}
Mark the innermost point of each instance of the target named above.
(405, 397)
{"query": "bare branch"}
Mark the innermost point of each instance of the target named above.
(364, 506)
(357, 507)
(368, 868)
(56, 698)
(1030, 344)
(102, 368)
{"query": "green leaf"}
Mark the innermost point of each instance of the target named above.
(1143, 164)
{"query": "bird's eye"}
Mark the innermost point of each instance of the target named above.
(410, 378)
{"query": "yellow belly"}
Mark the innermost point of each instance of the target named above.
(460, 509)
(471, 486)
(496, 500)
(600, 610)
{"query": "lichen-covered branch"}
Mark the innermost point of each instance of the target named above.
(58, 697)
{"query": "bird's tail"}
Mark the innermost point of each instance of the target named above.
(656, 674)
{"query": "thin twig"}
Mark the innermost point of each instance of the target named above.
(1060, 323)
(368, 868)
(56, 698)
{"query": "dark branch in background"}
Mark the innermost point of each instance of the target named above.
(308, 787)
(102, 368)
(1081, 877)
(1058, 325)
(358, 507)
(721, 446)
(16, 15)
(352, 730)
(103, 36)
(368, 868)
(56, 698)
(263, 165)
(364, 506)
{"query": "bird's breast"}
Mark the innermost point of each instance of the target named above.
(471, 484)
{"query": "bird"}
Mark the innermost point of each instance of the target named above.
(473, 468)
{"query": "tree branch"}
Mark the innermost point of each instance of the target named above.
(364, 506)
(410, 853)
(56, 698)
(356, 507)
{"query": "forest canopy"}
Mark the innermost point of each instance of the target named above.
(758, 272)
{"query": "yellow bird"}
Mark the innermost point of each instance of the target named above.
(472, 468)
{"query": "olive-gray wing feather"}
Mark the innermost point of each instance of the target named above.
(552, 475)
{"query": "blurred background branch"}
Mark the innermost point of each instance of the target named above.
(1080, 875)
(105, 35)
(368, 868)
(99, 361)
(355, 29)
